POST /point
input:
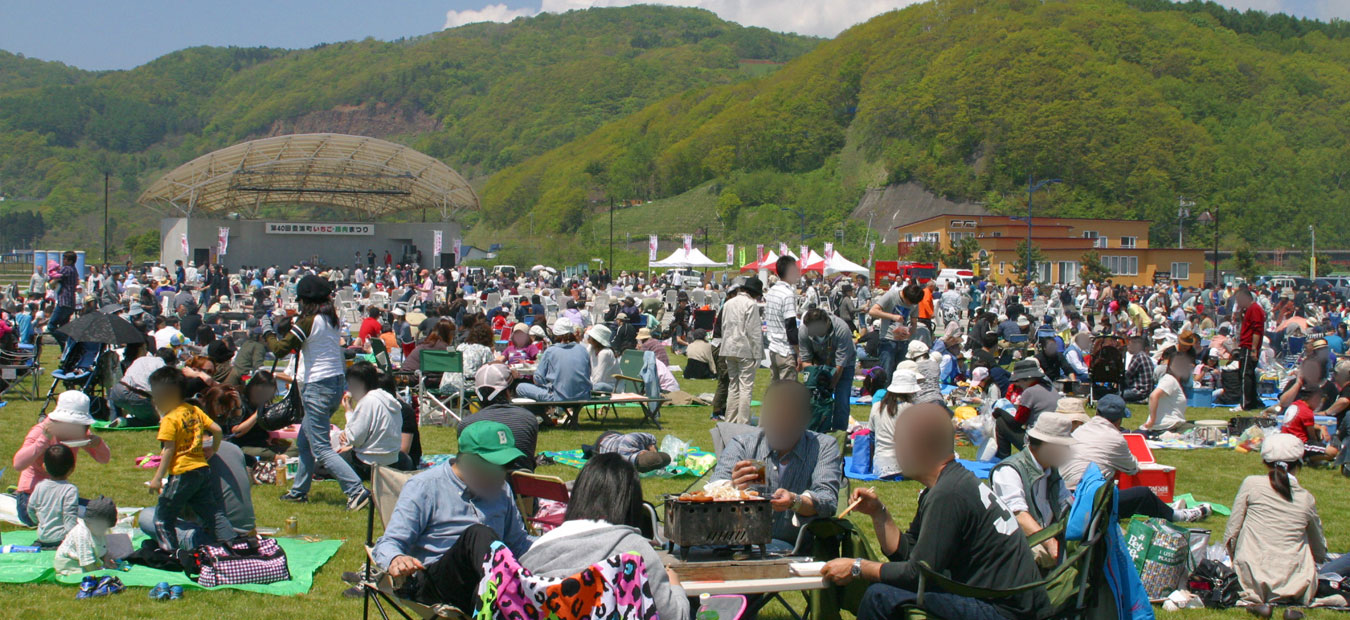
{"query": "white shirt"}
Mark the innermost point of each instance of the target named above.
(1172, 403)
(375, 428)
(780, 304)
(1008, 484)
(138, 373)
(164, 337)
(79, 549)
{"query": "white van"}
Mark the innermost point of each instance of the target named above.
(961, 277)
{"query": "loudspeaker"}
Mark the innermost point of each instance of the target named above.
(447, 260)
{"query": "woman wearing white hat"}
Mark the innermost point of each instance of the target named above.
(603, 363)
(927, 366)
(900, 394)
(68, 424)
(1274, 534)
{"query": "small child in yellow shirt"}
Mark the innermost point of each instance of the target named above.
(182, 430)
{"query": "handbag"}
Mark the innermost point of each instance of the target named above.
(1216, 584)
(290, 410)
(243, 560)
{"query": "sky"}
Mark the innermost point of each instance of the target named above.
(123, 34)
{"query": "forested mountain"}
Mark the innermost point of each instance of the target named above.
(1132, 103)
(480, 97)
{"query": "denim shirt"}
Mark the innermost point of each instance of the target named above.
(814, 466)
(565, 371)
(435, 507)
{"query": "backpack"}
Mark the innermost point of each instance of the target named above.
(1215, 584)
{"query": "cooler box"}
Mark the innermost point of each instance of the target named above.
(1161, 478)
(1201, 397)
(1329, 422)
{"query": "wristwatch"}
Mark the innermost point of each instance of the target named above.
(796, 502)
(857, 568)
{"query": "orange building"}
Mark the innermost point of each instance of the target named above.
(1121, 244)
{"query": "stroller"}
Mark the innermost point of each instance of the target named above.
(84, 367)
(1107, 367)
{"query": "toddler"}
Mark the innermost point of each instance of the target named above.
(85, 548)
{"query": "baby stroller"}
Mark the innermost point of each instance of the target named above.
(1107, 367)
(84, 367)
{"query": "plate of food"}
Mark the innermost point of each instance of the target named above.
(77, 443)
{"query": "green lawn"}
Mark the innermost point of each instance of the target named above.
(1209, 474)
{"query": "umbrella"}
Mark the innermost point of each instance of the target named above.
(103, 328)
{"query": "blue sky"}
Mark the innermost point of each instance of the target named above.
(121, 34)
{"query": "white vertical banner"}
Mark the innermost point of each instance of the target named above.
(651, 248)
(731, 254)
(829, 250)
(436, 242)
(688, 243)
(783, 249)
(224, 240)
(805, 252)
(459, 246)
(871, 248)
(182, 242)
(759, 253)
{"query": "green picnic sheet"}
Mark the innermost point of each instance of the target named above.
(103, 425)
(1192, 502)
(303, 558)
(620, 404)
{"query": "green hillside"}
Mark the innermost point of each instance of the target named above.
(479, 97)
(1131, 104)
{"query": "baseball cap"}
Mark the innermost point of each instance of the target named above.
(492, 441)
(1112, 407)
(492, 379)
(562, 326)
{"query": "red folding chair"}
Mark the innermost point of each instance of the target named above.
(538, 486)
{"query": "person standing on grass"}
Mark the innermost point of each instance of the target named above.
(742, 348)
(316, 339)
(829, 342)
(780, 320)
(183, 460)
(1252, 333)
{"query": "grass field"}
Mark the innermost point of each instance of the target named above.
(1209, 474)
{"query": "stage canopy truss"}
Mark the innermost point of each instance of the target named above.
(366, 176)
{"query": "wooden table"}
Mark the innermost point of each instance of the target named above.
(573, 408)
(706, 573)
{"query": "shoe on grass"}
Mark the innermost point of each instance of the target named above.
(87, 586)
(292, 496)
(160, 592)
(175, 593)
(1191, 515)
(358, 501)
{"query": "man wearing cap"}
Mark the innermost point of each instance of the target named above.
(68, 424)
(563, 371)
(1099, 442)
(493, 384)
(1030, 484)
(625, 334)
(645, 342)
(829, 343)
(1034, 400)
(742, 347)
(447, 518)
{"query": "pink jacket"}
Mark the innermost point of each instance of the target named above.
(28, 459)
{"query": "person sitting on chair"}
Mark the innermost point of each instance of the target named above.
(447, 518)
(564, 369)
(1030, 485)
(961, 529)
(802, 468)
(493, 384)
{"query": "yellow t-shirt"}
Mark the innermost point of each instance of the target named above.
(185, 426)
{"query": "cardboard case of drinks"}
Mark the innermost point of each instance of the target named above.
(1162, 479)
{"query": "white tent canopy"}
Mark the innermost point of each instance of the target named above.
(838, 264)
(691, 258)
(812, 262)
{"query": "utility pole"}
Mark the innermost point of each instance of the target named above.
(1312, 260)
(105, 218)
(1183, 212)
(611, 234)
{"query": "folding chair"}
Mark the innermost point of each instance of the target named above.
(1293, 348)
(435, 405)
(381, 354)
(20, 370)
(385, 486)
(530, 486)
(630, 370)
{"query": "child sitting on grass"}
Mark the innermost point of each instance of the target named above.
(55, 502)
(85, 548)
(183, 459)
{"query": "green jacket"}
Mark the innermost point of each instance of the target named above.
(1024, 463)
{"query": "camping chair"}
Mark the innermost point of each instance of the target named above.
(1072, 586)
(435, 402)
(19, 372)
(630, 370)
(532, 486)
(385, 486)
(381, 354)
(80, 370)
(1293, 348)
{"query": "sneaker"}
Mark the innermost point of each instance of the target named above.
(358, 501)
(175, 593)
(1190, 515)
(292, 496)
(353, 592)
(352, 577)
(87, 586)
(160, 592)
(107, 586)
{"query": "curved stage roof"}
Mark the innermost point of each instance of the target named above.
(365, 175)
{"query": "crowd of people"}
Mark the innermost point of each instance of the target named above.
(1024, 356)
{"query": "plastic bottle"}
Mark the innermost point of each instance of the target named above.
(703, 612)
(19, 549)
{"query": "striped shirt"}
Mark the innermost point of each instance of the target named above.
(780, 304)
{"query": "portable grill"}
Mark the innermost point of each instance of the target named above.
(729, 523)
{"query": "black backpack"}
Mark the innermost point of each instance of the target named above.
(1215, 584)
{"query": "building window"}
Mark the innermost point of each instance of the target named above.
(1129, 242)
(1089, 234)
(1043, 272)
(957, 236)
(970, 223)
(1122, 265)
(1181, 271)
(1001, 266)
(1100, 242)
(954, 224)
(996, 234)
(1068, 272)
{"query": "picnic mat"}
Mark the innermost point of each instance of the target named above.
(1192, 502)
(981, 469)
(303, 558)
(696, 463)
(103, 425)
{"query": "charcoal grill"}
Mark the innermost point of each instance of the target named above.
(741, 523)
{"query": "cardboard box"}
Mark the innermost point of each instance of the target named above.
(1161, 478)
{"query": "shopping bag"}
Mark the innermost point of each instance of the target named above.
(1159, 550)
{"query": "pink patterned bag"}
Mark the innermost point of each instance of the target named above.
(242, 560)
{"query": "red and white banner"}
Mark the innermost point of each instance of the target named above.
(805, 253)
(731, 253)
(459, 246)
(783, 249)
(688, 242)
(871, 247)
(436, 242)
(223, 240)
(182, 241)
(829, 250)
(651, 248)
(759, 253)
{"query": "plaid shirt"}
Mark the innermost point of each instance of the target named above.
(627, 445)
(1139, 374)
(780, 304)
(69, 280)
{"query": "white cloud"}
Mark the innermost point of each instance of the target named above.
(489, 13)
(812, 17)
